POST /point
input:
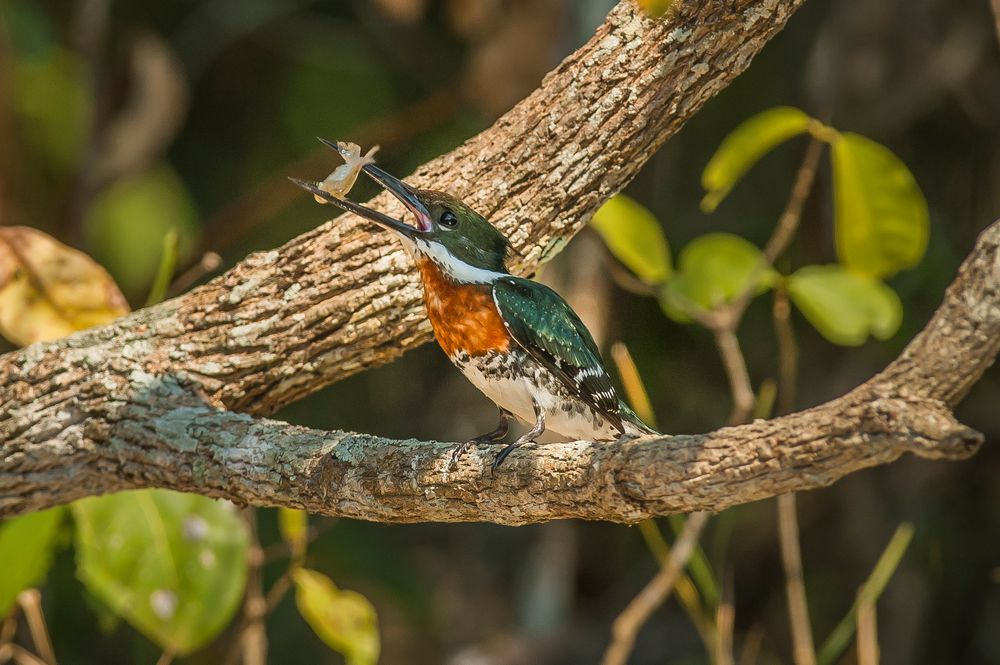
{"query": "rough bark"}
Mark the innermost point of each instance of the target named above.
(67, 440)
(143, 402)
(344, 297)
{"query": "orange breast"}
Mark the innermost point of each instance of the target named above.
(463, 316)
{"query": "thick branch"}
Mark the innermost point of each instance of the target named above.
(148, 430)
(339, 299)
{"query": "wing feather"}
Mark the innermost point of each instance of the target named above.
(545, 326)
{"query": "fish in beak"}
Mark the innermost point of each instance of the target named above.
(397, 187)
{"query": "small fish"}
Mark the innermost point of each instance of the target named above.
(340, 182)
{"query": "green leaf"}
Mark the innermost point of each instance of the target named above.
(635, 237)
(711, 271)
(126, 227)
(26, 544)
(173, 565)
(294, 527)
(345, 620)
(746, 144)
(882, 224)
(843, 306)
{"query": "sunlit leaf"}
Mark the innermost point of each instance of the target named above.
(843, 306)
(48, 290)
(882, 223)
(711, 271)
(173, 565)
(52, 105)
(126, 226)
(635, 237)
(345, 620)
(294, 527)
(26, 544)
(746, 144)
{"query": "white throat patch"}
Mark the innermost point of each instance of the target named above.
(456, 268)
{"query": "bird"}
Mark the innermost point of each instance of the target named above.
(516, 340)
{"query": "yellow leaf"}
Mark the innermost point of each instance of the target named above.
(744, 146)
(880, 215)
(633, 234)
(345, 620)
(49, 290)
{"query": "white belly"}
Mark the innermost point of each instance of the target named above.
(570, 419)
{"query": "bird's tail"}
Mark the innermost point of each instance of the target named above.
(632, 423)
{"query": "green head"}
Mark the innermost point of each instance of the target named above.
(452, 233)
(447, 231)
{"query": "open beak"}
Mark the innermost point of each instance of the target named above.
(397, 187)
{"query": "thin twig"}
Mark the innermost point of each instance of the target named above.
(638, 399)
(208, 263)
(725, 619)
(634, 616)
(278, 590)
(687, 593)
(836, 643)
(724, 321)
(166, 657)
(803, 648)
(788, 350)
(629, 282)
(736, 371)
(785, 229)
(251, 638)
(752, 642)
(22, 656)
(867, 633)
(7, 632)
(283, 549)
(30, 601)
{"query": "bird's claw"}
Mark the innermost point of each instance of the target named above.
(460, 449)
(503, 454)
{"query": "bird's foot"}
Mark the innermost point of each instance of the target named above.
(496, 436)
(527, 437)
(502, 455)
(482, 440)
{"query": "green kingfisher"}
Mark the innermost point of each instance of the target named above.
(516, 340)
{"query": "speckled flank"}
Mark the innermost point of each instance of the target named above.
(512, 379)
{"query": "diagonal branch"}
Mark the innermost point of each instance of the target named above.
(339, 299)
(141, 403)
(145, 430)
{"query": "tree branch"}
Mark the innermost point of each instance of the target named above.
(341, 298)
(65, 441)
(141, 403)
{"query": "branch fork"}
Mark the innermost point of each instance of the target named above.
(169, 396)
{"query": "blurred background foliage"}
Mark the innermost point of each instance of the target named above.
(120, 122)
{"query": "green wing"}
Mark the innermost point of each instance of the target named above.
(547, 328)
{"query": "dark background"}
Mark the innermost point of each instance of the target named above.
(264, 77)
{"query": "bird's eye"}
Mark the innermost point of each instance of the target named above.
(449, 219)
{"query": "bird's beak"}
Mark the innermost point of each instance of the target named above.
(397, 187)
